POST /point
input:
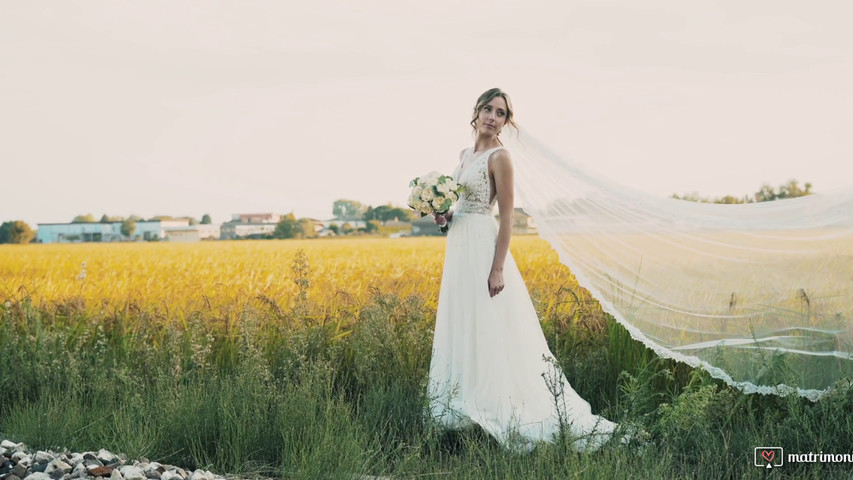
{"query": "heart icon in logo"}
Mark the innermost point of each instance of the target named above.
(768, 455)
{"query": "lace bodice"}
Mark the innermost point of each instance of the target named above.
(475, 177)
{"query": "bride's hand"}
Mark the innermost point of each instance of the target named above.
(496, 282)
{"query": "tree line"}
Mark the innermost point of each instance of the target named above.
(791, 189)
(348, 213)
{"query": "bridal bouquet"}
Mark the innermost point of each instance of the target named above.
(434, 193)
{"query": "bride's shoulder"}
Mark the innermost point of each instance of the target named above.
(501, 154)
(500, 159)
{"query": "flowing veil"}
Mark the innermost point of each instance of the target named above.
(759, 295)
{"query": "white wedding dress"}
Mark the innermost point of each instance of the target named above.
(488, 362)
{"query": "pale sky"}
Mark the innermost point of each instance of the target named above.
(186, 108)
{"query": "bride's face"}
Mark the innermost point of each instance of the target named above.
(492, 117)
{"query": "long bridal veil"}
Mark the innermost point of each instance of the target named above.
(760, 295)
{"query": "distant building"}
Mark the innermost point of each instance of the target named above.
(249, 225)
(399, 228)
(522, 223)
(193, 233)
(255, 218)
(397, 224)
(425, 226)
(319, 226)
(356, 224)
(104, 232)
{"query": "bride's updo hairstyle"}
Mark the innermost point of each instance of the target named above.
(487, 97)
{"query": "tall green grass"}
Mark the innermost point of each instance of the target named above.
(258, 391)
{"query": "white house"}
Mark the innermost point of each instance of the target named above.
(244, 225)
(193, 233)
(255, 218)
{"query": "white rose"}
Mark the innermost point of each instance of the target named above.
(417, 190)
(452, 185)
(443, 188)
(452, 196)
(427, 194)
(437, 204)
(412, 200)
(426, 208)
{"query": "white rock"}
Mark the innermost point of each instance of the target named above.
(76, 459)
(38, 476)
(198, 475)
(153, 470)
(132, 473)
(57, 464)
(170, 475)
(106, 457)
(116, 475)
(8, 444)
(43, 457)
(80, 467)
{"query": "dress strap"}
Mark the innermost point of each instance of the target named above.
(469, 158)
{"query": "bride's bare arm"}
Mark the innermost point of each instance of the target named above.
(501, 167)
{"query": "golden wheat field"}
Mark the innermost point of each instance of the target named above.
(182, 278)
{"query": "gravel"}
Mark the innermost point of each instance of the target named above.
(18, 462)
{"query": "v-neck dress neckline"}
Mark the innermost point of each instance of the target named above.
(473, 157)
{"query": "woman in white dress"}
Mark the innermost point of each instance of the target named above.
(491, 365)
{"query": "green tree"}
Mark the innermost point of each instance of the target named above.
(372, 226)
(348, 209)
(384, 213)
(287, 227)
(128, 228)
(334, 229)
(305, 228)
(731, 200)
(402, 214)
(792, 190)
(765, 194)
(690, 197)
(205, 219)
(17, 231)
(88, 218)
(388, 213)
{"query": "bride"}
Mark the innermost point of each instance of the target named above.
(491, 365)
